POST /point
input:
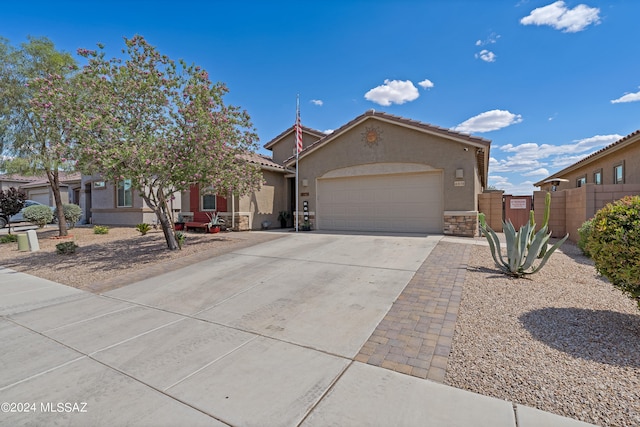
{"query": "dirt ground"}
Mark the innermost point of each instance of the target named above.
(121, 257)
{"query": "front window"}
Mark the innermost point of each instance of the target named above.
(581, 181)
(597, 177)
(125, 194)
(208, 199)
(618, 174)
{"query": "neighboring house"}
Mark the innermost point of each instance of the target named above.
(617, 163)
(17, 181)
(581, 189)
(39, 189)
(378, 172)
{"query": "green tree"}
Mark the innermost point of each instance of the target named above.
(11, 202)
(162, 125)
(35, 139)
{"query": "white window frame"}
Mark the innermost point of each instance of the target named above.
(120, 186)
(209, 191)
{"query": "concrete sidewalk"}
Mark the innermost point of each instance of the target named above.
(267, 336)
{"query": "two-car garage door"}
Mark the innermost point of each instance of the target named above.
(408, 202)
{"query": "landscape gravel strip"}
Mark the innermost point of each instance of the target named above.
(563, 340)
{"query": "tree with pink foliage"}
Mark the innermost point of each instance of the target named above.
(161, 125)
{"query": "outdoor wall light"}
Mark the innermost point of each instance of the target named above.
(459, 173)
(305, 182)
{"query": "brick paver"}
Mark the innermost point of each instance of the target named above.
(416, 334)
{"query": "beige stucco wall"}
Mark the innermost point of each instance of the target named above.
(285, 148)
(105, 211)
(397, 144)
(266, 203)
(572, 207)
(630, 155)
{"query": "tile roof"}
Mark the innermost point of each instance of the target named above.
(261, 160)
(482, 158)
(396, 119)
(15, 177)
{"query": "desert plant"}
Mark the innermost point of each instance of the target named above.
(66, 248)
(100, 229)
(523, 246)
(143, 228)
(9, 238)
(584, 232)
(614, 244)
(40, 215)
(72, 213)
(180, 238)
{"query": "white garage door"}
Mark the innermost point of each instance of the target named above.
(40, 197)
(399, 202)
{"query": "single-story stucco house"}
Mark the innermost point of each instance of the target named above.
(378, 172)
(38, 187)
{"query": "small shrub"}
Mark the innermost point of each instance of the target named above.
(614, 244)
(585, 231)
(40, 215)
(9, 238)
(100, 229)
(180, 238)
(66, 248)
(72, 213)
(143, 228)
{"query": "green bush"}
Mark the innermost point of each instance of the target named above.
(614, 244)
(9, 238)
(180, 238)
(585, 231)
(100, 229)
(72, 213)
(143, 228)
(66, 248)
(40, 215)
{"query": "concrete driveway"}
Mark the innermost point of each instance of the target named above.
(264, 336)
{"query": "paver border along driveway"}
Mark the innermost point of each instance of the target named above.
(263, 336)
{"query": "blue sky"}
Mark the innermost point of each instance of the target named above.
(548, 82)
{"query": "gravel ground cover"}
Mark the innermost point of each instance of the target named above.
(563, 340)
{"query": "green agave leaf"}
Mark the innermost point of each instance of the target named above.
(539, 241)
(546, 256)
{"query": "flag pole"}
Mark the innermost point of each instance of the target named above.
(298, 135)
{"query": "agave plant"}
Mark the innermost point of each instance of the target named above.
(523, 246)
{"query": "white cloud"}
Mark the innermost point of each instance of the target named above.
(629, 97)
(537, 172)
(488, 121)
(486, 55)
(393, 92)
(530, 157)
(560, 17)
(317, 102)
(426, 84)
(492, 39)
(328, 131)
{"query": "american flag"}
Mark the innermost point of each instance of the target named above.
(298, 131)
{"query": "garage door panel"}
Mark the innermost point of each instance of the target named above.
(403, 202)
